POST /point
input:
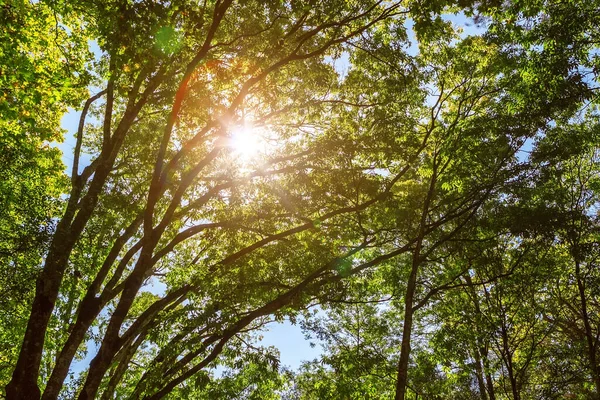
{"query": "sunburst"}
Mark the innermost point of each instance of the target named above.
(247, 142)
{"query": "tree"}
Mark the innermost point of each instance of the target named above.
(523, 114)
(39, 60)
(237, 176)
(567, 180)
(159, 178)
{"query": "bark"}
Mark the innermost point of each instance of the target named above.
(402, 376)
(123, 362)
(479, 374)
(112, 343)
(23, 384)
(490, 386)
(88, 310)
(508, 361)
(590, 339)
(514, 386)
(76, 153)
(481, 356)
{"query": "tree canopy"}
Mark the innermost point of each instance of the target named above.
(416, 184)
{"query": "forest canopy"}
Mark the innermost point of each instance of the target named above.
(416, 184)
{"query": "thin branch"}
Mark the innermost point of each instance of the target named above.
(88, 103)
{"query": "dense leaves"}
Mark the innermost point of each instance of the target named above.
(431, 195)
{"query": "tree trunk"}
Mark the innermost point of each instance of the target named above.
(508, 361)
(481, 356)
(402, 378)
(89, 308)
(23, 385)
(479, 374)
(591, 346)
(513, 385)
(85, 317)
(490, 386)
(112, 342)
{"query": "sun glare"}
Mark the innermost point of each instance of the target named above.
(246, 141)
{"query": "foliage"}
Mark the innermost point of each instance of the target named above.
(247, 161)
(42, 58)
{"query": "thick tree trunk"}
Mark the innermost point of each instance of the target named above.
(24, 380)
(23, 385)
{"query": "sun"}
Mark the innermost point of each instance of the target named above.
(246, 142)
